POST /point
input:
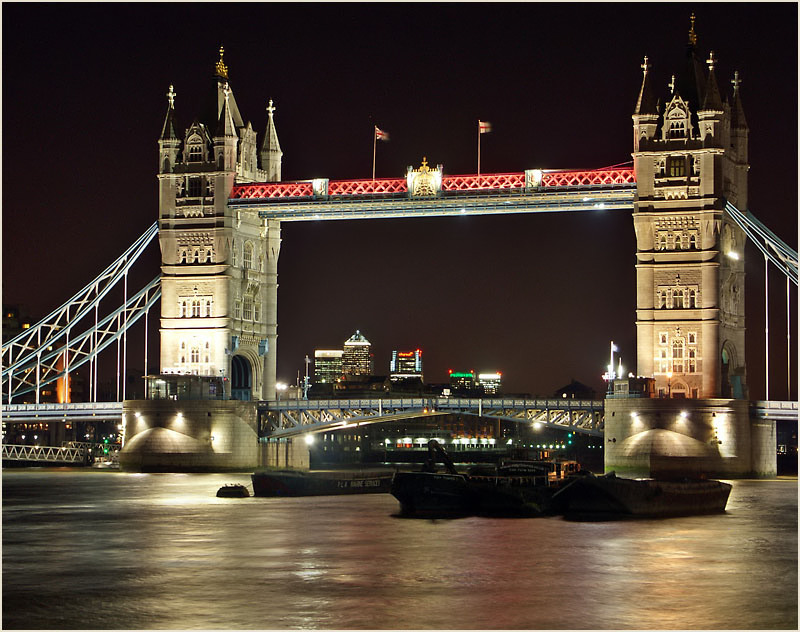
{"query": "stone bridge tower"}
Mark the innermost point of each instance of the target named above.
(219, 267)
(690, 156)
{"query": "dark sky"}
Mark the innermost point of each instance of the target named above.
(537, 297)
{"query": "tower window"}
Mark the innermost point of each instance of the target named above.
(676, 166)
(677, 129)
(195, 187)
(248, 256)
(247, 311)
(195, 153)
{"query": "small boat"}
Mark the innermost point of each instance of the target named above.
(517, 488)
(609, 496)
(296, 483)
(233, 491)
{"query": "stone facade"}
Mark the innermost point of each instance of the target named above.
(690, 156)
(189, 436)
(669, 437)
(219, 267)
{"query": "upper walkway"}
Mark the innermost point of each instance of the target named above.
(527, 192)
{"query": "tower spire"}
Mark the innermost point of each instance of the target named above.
(169, 131)
(646, 103)
(221, 68)
(712, 99)
(271, 153)
(692, 34)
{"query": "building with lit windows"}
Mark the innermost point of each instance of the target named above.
(490, 382)
(461, 381)
(406, 365)
(356, 355)
(327, 365)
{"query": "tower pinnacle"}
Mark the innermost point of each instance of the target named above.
(692, 34)
(222, 69)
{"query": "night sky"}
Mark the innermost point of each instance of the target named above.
(537, 297)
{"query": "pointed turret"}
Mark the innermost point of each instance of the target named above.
(169, 143)
(646, 103)
(712, 100)
(225, 138)
(271, 153)
(738, 120)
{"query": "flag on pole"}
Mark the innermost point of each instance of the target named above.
(484, 127)
(380, 134)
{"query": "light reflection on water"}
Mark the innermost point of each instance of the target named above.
(89, 549)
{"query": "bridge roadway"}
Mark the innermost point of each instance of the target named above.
(286, 418)
(609, 189)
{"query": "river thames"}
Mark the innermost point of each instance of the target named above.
(108, 550)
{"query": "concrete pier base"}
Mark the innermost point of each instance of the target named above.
(291, 454)
(189, 436)
(687, 437)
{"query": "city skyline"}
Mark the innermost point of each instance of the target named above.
(540, 295)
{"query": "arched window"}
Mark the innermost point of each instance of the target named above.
(692, 363)
(234, 257)
(247, 311)
(693, 241)
(183, 308)
(166, 165)
(195, 153)
(677, 298)
(208, 310)
(195, 308)
(248, 256)
(195, 357)
(677, 129)
(677, 356)
(691, 299)
(208, 255)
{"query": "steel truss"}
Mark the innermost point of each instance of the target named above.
(291, 418)
(51, 413)
(773, 248)
(44, 366)
(48, 331)
(44, 454)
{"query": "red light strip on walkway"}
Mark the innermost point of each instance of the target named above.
(489, 181)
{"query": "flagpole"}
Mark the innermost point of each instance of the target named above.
(479, 151)
(374, 145)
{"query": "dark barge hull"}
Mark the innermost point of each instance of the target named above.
(292, 483)
(599, 497)
(432, 494)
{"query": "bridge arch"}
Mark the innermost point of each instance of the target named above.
(244, 374)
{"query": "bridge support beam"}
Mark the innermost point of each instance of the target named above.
(273, 227)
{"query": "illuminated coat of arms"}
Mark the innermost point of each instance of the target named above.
(424, 181)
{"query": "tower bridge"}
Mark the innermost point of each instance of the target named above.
(222, 202)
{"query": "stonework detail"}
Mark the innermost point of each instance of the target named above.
(219, 267)
(690, 155)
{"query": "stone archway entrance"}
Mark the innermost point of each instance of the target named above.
(241, 378)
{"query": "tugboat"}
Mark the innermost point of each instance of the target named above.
(233, 490)
(514, 488)
(609, 496)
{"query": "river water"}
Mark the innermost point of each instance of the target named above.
(110, 550)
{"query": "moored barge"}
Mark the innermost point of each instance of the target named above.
(270, 483)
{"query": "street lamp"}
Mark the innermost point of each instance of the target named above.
(669, 384)
(280, 386)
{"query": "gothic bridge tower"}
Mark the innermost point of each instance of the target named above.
(219, 267)
(690, 155)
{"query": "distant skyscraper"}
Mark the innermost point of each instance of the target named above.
(462, 380)
(406, 365)
(327, 365)
(490, 382)
(355, 355)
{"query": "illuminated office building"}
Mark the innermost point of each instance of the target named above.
(356, 355)
(327, 365)
(490, 382)
(406, 365)
(462, 380)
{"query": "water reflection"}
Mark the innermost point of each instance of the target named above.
(110, 550)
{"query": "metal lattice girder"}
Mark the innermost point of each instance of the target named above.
(470, 182)
(499, 201)
(294, 417)
(45, 366)
(43, 454)
(50, 329)
(70, 412)
(775, 249)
